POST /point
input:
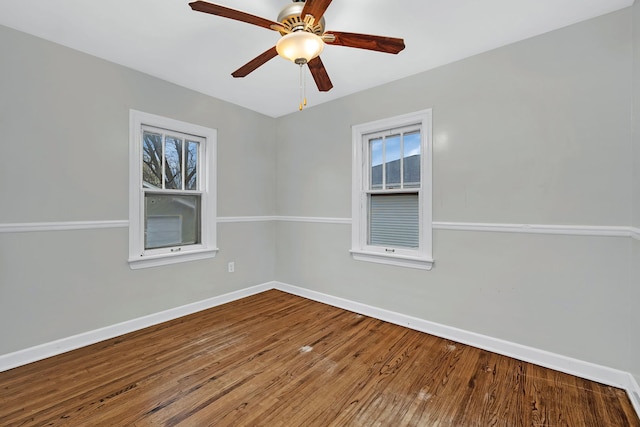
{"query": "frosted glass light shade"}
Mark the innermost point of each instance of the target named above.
(300, 46)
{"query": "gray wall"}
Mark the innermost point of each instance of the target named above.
(635, 263)
(64, 119)
(537, 132)
(636, 113)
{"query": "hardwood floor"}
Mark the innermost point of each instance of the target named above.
(275, 359)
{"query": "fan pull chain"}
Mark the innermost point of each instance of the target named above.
(303, 89)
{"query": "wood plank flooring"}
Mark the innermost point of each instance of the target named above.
(275, 359)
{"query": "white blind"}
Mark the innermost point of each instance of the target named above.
(394, 220)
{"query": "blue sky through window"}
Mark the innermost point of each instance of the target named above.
(411, 148)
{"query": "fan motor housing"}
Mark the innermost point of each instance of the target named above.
(290, 18)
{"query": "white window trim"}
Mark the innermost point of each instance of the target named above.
(360, 250)
(138, 258)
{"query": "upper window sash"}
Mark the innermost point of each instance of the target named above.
(383, 149)
(185, 152)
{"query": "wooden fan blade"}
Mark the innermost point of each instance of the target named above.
(315, 8)
(367, 41)
(255, 63)
(320, 75)
(225, 12)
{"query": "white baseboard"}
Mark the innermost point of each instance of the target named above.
(43, 351)
(634, 393)
(580, 368)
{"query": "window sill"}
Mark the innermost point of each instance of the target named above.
(171, 258)
(397, 260)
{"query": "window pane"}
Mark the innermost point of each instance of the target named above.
(376, 163)
(394, 220)
(191, 179)
(152, 160)
(171, 220)
(173, 167)
(392, 159)
(412, 160)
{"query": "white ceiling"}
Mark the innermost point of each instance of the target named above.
(166, 39)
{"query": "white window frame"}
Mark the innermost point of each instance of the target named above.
(421, 257)
(138, 256)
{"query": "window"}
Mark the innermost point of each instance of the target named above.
(391, 203)
(172, 209)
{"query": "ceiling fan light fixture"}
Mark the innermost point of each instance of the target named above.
(300, 46)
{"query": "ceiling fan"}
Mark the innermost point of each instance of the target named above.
(302, 27)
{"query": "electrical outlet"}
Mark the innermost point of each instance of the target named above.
(231, 267)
